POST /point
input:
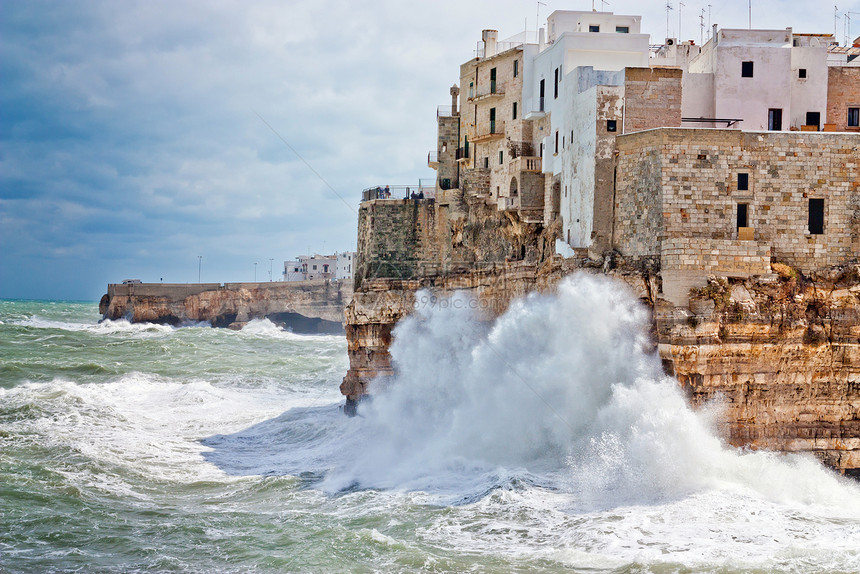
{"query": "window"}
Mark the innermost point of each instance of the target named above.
(501, 157)
(746, 69)
(622, 29)
(593, 28)
(542, 89)
(516, 68)
(611, 125)
(514, 114)
(743, 213)
(813, 119)
(486, 162)
(315, 267)
(555, 87)
(816, 216)
(556, 141)
(801, 73)
(774, 119)
(492, 120)
(493, 81)
(471, 90)
(853, 117)
(743, 182)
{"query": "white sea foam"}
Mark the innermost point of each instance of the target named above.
(265, 328)
(563, 385)
(105, 327)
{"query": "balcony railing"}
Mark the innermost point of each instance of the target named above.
(517, 149)
(445, 112)
(494, 90)
(489, 131)
(526, 163)
(425, 188)
(433, 159)
(462, 153)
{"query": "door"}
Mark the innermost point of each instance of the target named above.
(774, 119)
(813, 119)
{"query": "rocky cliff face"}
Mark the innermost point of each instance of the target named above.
(303, 306)
(780, 352)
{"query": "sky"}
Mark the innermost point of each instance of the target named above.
(176, 140)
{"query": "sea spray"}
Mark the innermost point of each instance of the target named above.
(564, 386)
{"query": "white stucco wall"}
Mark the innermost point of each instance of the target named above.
(808, 94)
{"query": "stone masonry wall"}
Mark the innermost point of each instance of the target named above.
(843, 90)
(446, 148)
(689, 177)
(736, 258)
(652, 98)
(396, 238)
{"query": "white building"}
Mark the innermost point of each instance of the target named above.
(345, 263)
(337, 266)
(767, 79)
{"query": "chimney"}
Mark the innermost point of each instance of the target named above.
(455, 91)
(490, 37)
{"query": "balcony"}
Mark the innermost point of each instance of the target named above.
(526, 163)
(489, 131)
(433, 160)
(494, 91)
(509, 203)
(463, 154)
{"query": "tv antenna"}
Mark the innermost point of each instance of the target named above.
(668, 9)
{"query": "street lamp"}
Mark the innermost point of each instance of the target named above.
(255, 271)
(199, 266)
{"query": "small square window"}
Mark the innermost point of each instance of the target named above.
(611, 125)
(622, 29)
(801, 73)
(593, 28)
(853, 117)
(743, 182)
(746, 69)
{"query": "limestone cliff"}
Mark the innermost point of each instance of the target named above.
(307, 306)
(780, 351)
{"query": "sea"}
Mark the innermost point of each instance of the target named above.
(547, 440)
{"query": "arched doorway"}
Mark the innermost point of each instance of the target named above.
(514, 189)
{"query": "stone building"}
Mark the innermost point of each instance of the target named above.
(548, 131)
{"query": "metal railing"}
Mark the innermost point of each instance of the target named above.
(400, 192)
(494, 89)
(432, 157)
(445, 112)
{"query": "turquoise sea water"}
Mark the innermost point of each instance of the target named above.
(522, 448)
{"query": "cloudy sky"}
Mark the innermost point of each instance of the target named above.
(131, 138)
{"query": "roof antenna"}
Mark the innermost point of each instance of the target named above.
(668, 8)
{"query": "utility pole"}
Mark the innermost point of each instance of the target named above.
(271, 259)
(680, 5)
(702, 27)
(199, 266)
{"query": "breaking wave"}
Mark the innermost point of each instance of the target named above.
(563, 390)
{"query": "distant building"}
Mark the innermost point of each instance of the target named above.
(338, 266)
